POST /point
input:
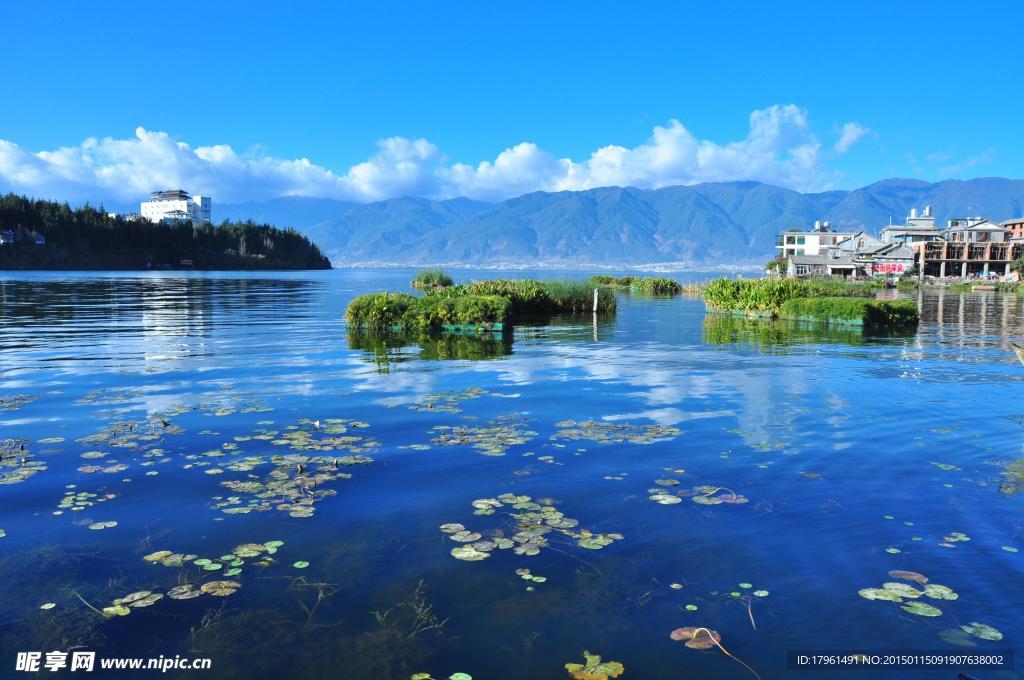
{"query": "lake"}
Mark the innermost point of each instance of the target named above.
(283, 499)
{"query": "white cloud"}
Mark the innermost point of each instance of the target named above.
(849, 134)
(954, 169)
(779, 148)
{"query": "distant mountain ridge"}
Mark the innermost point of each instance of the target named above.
(705, 224)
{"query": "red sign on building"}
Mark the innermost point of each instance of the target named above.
(888, 267)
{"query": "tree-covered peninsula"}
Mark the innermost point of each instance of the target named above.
(39, 234)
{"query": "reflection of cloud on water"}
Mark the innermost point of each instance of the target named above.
(668, 416)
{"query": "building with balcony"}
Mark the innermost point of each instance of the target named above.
(918, 228)
(176, 205)
(796, 241)
(1014, 229)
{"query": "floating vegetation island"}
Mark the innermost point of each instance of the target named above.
(825, 301)
(487, 305)
(647, 285)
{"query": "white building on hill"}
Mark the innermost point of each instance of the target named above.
(175, 205)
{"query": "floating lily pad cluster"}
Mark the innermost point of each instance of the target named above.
(898, 592)
(447, 402)
(17, 462)
(10, 402)
(593, 668)
(526, 575)
(953, 538)
(534, 521)
(138, 600)
(230, 564)
(613, 433)
(132, 434)
(76, 501)
(664, 494)
(294, 486)
(493, 439)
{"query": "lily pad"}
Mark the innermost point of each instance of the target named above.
(301, 564)
(469, 554)
(116, 610)
(937, 592)
(920, 579)
(903, 590)
(983, 631)
(221, 588)
(186, 591)
(879, 594)
(955, 636)
(921, 609)
(593, 668)
(697, 638)
(158, 556)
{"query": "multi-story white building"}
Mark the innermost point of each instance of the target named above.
(175, 205)
(918, 228)
(814, 242)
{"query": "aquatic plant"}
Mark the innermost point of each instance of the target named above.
(494, 439)
(593, 668)
(700, 638)
(533, 523)
(982, 631)
(412, 616)
(649, 285)
(390, 312)
(768, 295)
(531, 297)
(431, 278)
(613, 433)
(851, 310)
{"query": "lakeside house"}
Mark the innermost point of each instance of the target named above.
(796, 241)
(1014, 229)
(176, 205)
(916, 229)
(967, 246)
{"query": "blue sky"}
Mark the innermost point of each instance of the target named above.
(491, 99)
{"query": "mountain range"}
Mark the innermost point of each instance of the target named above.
(726, 223)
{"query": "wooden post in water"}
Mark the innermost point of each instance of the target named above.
(595, 301)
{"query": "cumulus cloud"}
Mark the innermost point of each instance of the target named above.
(779, 148)
(849, 134)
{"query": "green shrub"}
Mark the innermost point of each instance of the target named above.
(851, 309)
(656, 285)
(650, 285)
(778, 266)
(960, 287)
(431, 312)
(431, 278)
(378, 311)
(768, 295)
(531, 297)
(389, 312)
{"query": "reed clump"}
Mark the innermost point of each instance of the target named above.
(431, 278)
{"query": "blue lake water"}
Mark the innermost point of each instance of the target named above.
(211, 412)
